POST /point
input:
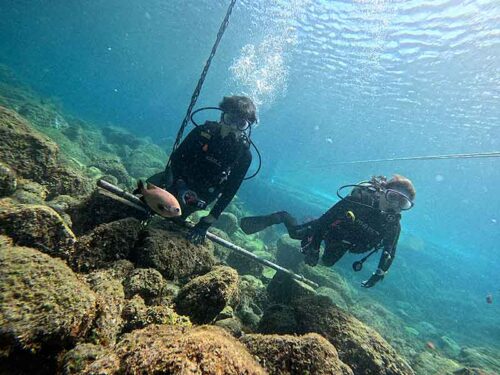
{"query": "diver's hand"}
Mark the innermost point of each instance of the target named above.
(309, 246)
(374, 278)
(198, 233)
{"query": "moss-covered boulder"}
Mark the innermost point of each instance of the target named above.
(252, 301)
(34, 156)
(148, 283)
(279, 319)
(244, 265)
(105, 244)
(137, 315)
(204, 297)
(227, 222)
(288, 253)
(172, 255)
(308, 354)
(8, 180)
(359, 346)
(31, 154)
(114, 167)
(99, 208)
(285, 289)
(37, 226)
(42, 302)
(110, 302)
(89, 359)
(430, 363)
(176, 350)
(481, 357)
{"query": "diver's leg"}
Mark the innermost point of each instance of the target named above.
(254, 224)
(334, 250)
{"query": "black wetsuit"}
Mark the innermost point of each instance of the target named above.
(210, 165)
(370, 229)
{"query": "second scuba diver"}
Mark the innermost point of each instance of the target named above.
(210, 163)
(367, 219)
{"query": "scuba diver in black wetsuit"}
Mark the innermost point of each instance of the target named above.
(210, 163)
(367, 219)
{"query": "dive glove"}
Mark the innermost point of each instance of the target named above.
(197, 234)
(374, 278)
(309, 246)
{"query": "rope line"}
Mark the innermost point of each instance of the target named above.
(493, 154)
(201, 80)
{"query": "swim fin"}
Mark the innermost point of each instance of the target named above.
(254, 224)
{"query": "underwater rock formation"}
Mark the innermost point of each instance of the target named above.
(172, 255)
(147, 283)
(89, 359)
(308, 354)
(137, 315)
(33, 156)
(227, 222)
(359, 346)
(106, 243)
(42, 302)
(162, 349)
(204, 297)
(37, 226)
(8, 180)
(278, 319)
(110, 302)
(98, 208)
(288, 253)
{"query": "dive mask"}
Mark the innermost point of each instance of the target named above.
(399, 198)
(235, 120)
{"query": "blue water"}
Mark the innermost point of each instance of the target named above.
(335, 81)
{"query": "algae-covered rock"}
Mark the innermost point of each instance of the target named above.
(253, 300)
(334, 296)
(90, 359)
(449, 346)
(146, 282)
(472, 371)
(204, 297)
(160, 349)
(65, 181)
(106, 243)
(428, 363)
(113, 167)
(227, 222)
(232, 325)
(172, 255)
(8, 180)
(359, 346)
(244, 265)
(288, 253)
(110, 303)
(137, 315)
(31, 154)
(42, 302)
(481, 357)
(279, 319)
(100, 208)
(34, 156)
(308, 354)
(285, 289)
(37, 226)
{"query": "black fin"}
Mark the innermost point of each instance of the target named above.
(139, 188)
(254, 224)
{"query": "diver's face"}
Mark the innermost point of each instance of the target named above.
(235, 121)
(394, 200)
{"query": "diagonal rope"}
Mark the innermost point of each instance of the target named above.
(197, 90)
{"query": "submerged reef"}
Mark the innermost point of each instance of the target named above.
(86, 287)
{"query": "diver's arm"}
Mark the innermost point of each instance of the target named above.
(233, 184)
(389, 244)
